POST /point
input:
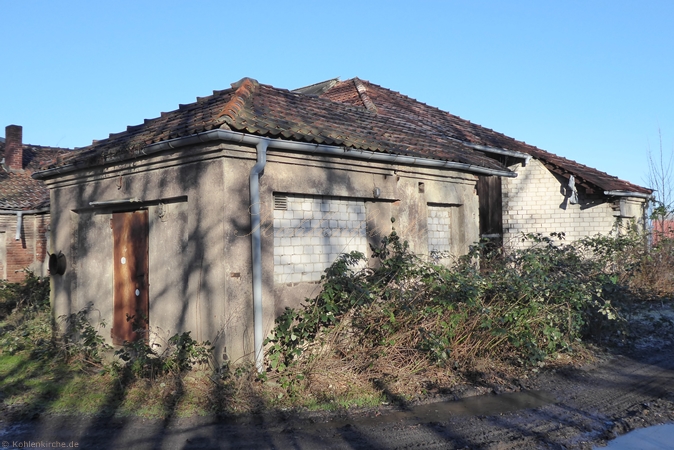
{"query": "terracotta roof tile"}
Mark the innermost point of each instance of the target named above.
(430, 120)
(267, 111)
(18, 191)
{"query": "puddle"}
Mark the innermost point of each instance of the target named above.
(651, 438)
(12, 429)
(485, 405)
(482, 405)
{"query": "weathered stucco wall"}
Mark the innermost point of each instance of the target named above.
(537, 201)
(185, 279)
(200, 277)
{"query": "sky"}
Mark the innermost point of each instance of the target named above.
(592, 81)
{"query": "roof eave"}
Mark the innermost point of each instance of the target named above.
(305, 147)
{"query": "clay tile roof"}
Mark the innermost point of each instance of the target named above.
(429, 120)
(264, 110)
(20, 192)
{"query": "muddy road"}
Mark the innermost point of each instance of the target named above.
(565, 409)
(574, 408)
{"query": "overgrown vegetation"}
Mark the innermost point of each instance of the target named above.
(401, 329)
(410, 324)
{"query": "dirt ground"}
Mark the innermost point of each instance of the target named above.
(625, 388)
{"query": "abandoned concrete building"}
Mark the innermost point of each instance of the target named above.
(214, 217)
(24, 207)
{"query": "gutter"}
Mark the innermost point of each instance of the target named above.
(303, 147)
(627, 194)
(499, 151)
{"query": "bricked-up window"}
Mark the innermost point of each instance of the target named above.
(439, 235)
(312, 232)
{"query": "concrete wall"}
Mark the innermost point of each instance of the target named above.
(199, 232)
(537, 201)
(186, 249)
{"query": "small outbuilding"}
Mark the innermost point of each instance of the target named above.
(214, 217)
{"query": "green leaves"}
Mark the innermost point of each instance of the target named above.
(524, 305)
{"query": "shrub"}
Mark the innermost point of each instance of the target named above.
(144, 360)
(81, 340)
(408, 312)
(24, 307)
(30, 295)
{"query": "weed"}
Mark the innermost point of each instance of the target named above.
(144, 360)
(81, 339)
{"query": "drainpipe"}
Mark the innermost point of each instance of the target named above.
(19, 218)
(19, 222)
(256, 244)
(499, 151)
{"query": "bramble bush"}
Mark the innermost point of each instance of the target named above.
(144, 359)
(24, 315)
(411, 313)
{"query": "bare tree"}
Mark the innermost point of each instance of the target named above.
(660, 171)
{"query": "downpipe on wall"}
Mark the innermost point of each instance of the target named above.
(256, 244)
(19, 218)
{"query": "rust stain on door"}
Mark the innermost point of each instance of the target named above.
(130, 275)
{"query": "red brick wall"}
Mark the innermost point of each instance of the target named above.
(28, 252)
(662, 229)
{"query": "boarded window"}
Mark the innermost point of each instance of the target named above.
(439, 231)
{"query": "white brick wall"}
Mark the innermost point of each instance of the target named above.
(535, 202)
(312, 232)
(439, 233)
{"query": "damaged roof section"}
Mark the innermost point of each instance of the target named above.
(263, 110)
(430, 120)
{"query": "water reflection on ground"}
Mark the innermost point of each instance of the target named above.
(652, 438)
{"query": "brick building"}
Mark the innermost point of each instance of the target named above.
(24, 207)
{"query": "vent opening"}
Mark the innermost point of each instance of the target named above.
(280, 202)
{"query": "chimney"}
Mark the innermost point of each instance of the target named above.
(14, 147)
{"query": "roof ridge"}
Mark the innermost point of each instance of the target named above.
(245, 88)
(362, 93)
(317, 88)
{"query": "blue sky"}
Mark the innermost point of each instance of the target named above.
(588, 80)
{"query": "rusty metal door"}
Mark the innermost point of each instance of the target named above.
(130, 275)
(491, 208)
